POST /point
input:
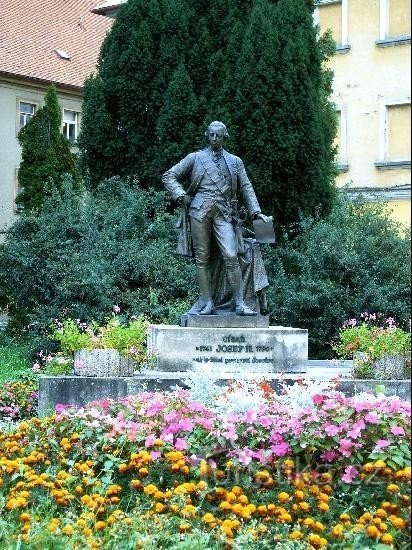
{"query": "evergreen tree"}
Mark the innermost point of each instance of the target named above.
(169, 67)
(46, 154)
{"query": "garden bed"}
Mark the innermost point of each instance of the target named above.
(160, 470)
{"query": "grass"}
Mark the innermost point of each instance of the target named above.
(13, 360)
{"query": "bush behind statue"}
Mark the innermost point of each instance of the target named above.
(86, 252)
(355, 260)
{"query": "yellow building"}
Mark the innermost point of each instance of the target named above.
(371, 91)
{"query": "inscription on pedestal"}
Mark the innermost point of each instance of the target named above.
(272, 349)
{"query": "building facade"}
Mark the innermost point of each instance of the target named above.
(42, 42)
(371, 91)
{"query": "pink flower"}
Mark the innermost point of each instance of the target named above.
(150, 439)
(318, 398)
(36, 367)
(329, 456)
(350, 473)
(372, 417)
(397, 430)
(180, 444)
(331, 429)
(345, 446)
(116, 308)
(281, 449)
(381, 444)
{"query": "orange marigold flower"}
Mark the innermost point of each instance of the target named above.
(100, 525)
(296, 535)
(397, 522)
(188, 511)
(323, 507)
(159, 507)
(372, 531)
(184, 527)
(283, 497)
(208, 518)
(387, 538)
(344, 517)
(337, 531)
(150, 489)
(68, 530)
(392, 488)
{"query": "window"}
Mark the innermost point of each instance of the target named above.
(395, 134)
(71, 125)
(333, 15)
(341, 139)
(26, 113)
(395, 22)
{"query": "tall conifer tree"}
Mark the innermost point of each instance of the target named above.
(46, 154)
(168, 67)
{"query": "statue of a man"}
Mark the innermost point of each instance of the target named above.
(215, 178)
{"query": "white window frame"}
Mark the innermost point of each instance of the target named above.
(76, 125)
(19, 102)
(385, 161)
(343, 137)
(344, 45)
(385, 39)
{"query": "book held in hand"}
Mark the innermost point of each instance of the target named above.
(264, 232)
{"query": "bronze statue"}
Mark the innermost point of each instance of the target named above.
(211, 222)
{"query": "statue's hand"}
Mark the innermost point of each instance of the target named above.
(261, 216)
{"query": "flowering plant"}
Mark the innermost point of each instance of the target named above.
(375, 336)
(128, 337)
(161, 470)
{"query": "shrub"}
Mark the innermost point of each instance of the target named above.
(126, 336)
(85, 252)
(356, 260)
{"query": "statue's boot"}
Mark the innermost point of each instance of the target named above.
(204, 280)
(234, 275)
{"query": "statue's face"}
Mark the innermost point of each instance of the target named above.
(216, 137)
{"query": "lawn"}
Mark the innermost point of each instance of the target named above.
(13, 360)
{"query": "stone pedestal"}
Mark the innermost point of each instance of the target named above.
(102, 362)
(231, 349)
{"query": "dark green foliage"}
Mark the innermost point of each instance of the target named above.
(46, 154)
(355, 260)
(84, 253)
(169, 67)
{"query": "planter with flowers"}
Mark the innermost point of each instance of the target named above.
(116, 348)
(380, 349)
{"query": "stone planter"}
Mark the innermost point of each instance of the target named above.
(102, 363)
(388, 367)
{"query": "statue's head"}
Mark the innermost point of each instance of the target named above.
(216, 132)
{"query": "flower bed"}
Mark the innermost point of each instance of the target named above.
(160, 470)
